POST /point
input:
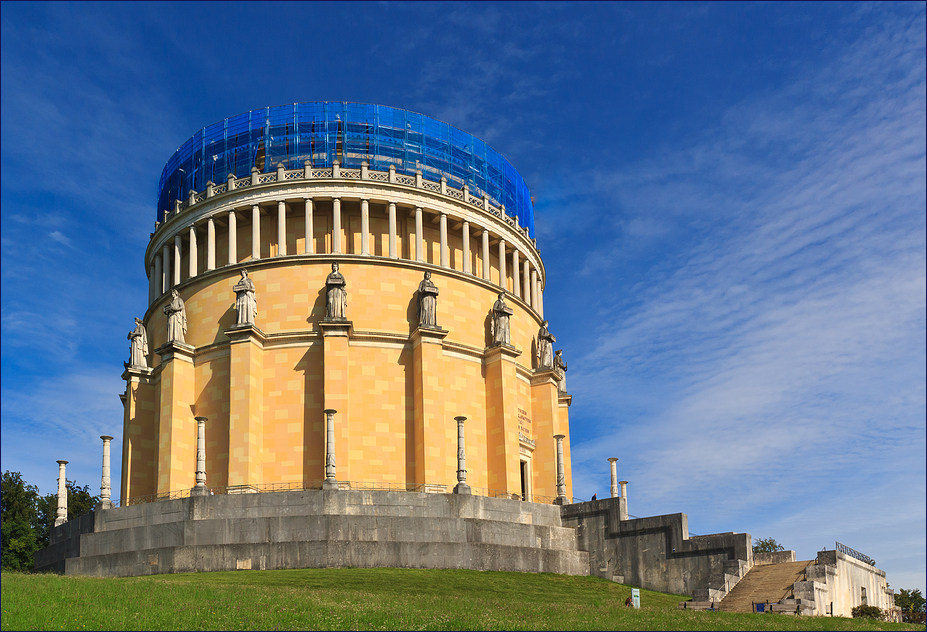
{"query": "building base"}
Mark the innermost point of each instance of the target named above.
(316, 529)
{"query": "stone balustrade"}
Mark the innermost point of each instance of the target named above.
(518, 265)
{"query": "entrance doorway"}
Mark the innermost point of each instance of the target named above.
(524, 480)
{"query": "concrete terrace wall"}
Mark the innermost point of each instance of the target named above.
(838, 579)
(316, 529)
(657, 553)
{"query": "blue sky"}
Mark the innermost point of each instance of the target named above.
(730, 204)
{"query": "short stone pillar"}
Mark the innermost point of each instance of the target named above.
(461, 487)
(613, 461)
(62, 515)
(200, 488)
(106, 490)
(561, 476)
(624, 500)
(330, 481)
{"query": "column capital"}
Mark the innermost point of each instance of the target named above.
(612, 459)
(244, 333)
(336, 328)
(545, 375)
(501, 351)
(433, 335)
(136, 374)
(180, 350)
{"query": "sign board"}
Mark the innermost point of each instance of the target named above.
(636, 597)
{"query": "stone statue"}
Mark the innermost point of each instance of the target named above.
(499, 324)
(545, 351)
(336, 295)
(427, 302)
(561, 365)
(138, 351)
(176, 318)
(245, 300)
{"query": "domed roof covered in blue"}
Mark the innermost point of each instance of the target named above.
(351, 133)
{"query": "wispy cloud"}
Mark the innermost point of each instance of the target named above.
(785, 339)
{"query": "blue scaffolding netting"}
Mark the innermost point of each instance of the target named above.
(351, 133)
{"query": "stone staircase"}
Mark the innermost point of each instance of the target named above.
(772, 583)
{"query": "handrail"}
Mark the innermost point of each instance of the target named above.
(843, 548)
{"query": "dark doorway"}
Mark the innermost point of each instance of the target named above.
(524, 480)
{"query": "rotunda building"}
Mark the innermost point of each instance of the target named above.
(358, 259)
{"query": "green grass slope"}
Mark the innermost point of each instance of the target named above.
(365, 599)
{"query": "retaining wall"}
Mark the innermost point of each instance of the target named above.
(657, 553)
(316, 529)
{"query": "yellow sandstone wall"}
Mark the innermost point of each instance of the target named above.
(397, 392)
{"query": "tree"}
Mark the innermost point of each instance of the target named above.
(767, 545)
(27, 518)
(17, 522)
(911, 603)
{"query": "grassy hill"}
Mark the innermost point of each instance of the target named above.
(376, 599)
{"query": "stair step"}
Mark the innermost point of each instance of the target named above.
(768, 583)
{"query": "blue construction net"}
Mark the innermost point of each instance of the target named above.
(351, 133)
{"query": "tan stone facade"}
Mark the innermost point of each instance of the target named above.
(396, 387)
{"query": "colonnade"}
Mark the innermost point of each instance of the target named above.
(165, 268)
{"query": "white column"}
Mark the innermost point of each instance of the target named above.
(516, 285)
(613, 488)
(365, 227)
(330, 481)
(485, 254)
(527, 282)
(336, 226)
(502, 263)
(177, 242)
(392, 229)
(61, 516)
(419, 241)
(151, 284)
(166, 256)
(561, 477)
(233, 238)
(540, 298)
(309, 245)
(281, 228)
(211, 244)
(444, 253)
(106, 489)
(200, 488)
(623, 508)
(465, 235)
(534, 289)
(194, 254)
(255, 232)
(158, 278)
(461, 487)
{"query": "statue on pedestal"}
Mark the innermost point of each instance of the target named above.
(427, 302)
(176, 318)
(499, 324)
(336, 295)
(561, 365)
(545, 353)
(245, 300)
(138, 350)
